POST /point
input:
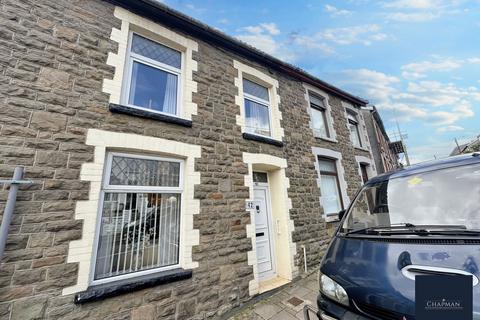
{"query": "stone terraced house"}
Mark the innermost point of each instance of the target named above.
(177, 172)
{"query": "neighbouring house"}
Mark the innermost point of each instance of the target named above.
(472, 146)
(177, 171)
(386, 159)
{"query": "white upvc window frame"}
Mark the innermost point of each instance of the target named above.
(259, 101)
(324, 110)
(337, 156)
(106, 187)
(354, 117)
(309, 91)
(323, 173)
(135, 57)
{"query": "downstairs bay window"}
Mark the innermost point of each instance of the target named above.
(139, 229)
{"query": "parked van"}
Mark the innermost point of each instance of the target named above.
(421, 220)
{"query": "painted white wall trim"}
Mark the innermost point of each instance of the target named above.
(371, 171)
(322, 152)
(81, 250)
(133, 22)
(330, 121)
(283, 225)
(245, 71)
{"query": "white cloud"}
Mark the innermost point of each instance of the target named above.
(309, 44)
(265, 27)
(334, 12)
(270, 28)
(264, 42)
(263, 37)
(411, 16)
(363, 34)
(474, 60)
(433, 102)
(224, 21)
(413, 4)
(449, 129)
(421, 10)
(253, 29)
(418, 70)
(430, 151)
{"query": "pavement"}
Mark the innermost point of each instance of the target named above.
(285, 304)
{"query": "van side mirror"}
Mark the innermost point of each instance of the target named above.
(341, 214)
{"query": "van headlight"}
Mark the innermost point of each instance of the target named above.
(333, 290)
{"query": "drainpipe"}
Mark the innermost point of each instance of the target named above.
(10, 206)
(304, 257)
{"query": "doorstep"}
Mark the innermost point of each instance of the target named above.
(271, 284)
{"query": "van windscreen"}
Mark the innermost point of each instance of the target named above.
(442, 197)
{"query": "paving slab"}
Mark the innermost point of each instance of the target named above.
(285, 304)
(267, 310)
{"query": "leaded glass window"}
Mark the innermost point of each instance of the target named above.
(154, 73)
(140, 216)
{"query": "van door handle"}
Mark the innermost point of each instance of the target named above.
(259, 234)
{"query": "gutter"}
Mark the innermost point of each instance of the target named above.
(160, 13)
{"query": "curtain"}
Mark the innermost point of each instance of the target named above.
(170, 100)
(330, 196)
(257, 118)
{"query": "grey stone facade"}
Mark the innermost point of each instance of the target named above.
(385, 159)
(52, 62)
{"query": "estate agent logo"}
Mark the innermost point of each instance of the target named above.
(443, 297)
(444, 304)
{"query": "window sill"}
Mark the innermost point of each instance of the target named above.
(361, 148)
(326, 139)
(254, 137)
(117, 108)
(332, 218)
(102, 291)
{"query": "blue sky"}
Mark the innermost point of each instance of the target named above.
(418, 61)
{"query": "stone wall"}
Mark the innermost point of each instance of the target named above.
(52, 61)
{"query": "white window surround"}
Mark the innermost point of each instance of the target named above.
(361, 126)
(81, 251)
(327, 153)
(254, 75)
(154, 31)
(285, 247)
(370, 166)
(328, 112)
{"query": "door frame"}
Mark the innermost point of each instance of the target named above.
(268, 204)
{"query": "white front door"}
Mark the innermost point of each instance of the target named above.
(263, 231)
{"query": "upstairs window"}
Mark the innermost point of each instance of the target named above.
(319, 116)
(257, 108)
(140, 216)
(353, 125)
(330, 186)
(153, 76)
